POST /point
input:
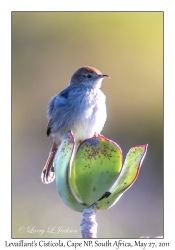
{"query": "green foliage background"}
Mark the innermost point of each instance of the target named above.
(47, 47)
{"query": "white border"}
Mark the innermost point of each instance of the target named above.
(5, 93)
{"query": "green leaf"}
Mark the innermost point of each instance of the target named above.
(127, 176)
(62, 164)
(95, 168)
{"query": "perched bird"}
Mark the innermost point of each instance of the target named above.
(81, 107)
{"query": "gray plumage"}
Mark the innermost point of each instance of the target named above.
(81, 107)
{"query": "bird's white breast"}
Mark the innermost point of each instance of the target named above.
(93, 116)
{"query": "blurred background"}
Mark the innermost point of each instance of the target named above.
(47, 47)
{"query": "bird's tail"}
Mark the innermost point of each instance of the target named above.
(48, 174)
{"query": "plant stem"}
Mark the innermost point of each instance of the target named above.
(88, 223)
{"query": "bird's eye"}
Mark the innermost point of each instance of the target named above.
(89, 76)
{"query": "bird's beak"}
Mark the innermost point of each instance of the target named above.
(104, 76)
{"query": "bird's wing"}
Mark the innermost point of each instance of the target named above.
(55, 102)
(48, 132)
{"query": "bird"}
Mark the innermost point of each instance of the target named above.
(80, 108)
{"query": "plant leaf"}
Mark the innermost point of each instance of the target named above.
(127, 176)
(62, 164)
(95, 168)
